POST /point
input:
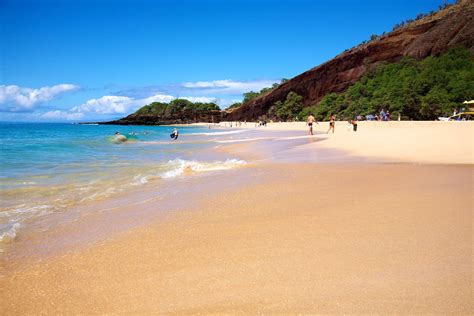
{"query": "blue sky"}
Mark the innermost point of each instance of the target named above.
(97, 60)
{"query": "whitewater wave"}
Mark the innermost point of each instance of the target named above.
(9, 231)
(24, 211)
(179, 167)
(218, 133)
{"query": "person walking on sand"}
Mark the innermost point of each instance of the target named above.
(332, 123)
(354, 124)
(310, 122)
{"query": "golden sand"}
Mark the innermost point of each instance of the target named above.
(406, 141)
(317, 239)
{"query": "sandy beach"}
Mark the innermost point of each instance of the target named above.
(405, 141)
(392, 234)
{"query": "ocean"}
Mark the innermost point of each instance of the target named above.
(47, 168)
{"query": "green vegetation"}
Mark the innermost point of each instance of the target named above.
(288, 109)
(420, 90)
(249, 96)
(234, 105)
(175, 106)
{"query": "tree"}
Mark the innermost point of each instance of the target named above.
(434, 102)
(180, 103)
(175, 106)
(249, 96)
(234, 105)
(290, 108)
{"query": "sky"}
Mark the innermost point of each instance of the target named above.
(88, 60)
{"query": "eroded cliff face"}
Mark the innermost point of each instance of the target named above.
(432, 35)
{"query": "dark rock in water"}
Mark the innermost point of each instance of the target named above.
(432, 35)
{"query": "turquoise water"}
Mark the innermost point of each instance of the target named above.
(48, 168)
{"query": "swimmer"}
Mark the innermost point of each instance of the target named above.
(174, 135)
(120, 138)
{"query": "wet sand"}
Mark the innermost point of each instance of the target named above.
(312, 239)
(346, 237)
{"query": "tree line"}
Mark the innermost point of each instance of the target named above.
(176, 106)
(415, 89)
(249, 96)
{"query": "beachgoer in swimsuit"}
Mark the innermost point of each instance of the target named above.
(310, 122)
(332, 123)
(119, 138)
(354, 124)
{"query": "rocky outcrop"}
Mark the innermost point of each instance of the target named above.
(181, 117)
(432, 35)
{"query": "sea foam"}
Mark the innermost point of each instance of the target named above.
(179, 167)
(9, 232)
(219, 133)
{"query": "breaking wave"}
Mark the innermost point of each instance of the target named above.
(180, 167)
(218, 133)
(8, 232)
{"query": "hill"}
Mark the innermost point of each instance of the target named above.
(178, 111)
(430, 35)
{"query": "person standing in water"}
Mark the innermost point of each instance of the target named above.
(120, 138)
(310, 122)
(174, 135)
(332, 123)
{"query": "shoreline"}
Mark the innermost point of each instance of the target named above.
(426, 142)
(317, 230)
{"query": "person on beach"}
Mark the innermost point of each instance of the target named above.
(310, 122)
(332, 123)
(174, 135)
(354, 124)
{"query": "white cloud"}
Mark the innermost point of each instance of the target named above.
(228, 86)
(61, 115)
(156, 98)
(20, 99)
(108, 104)
(112, 104)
